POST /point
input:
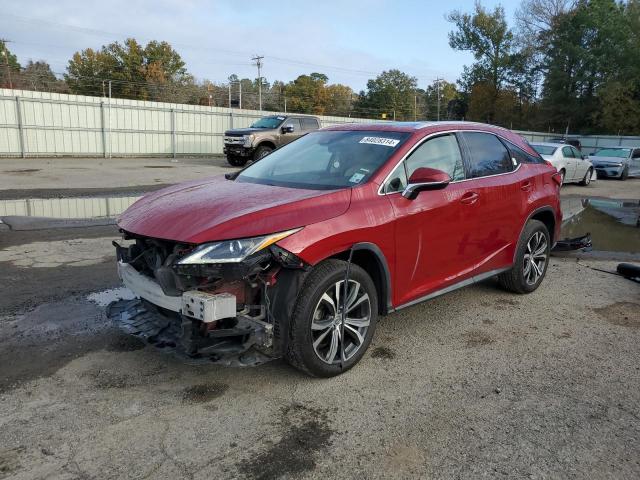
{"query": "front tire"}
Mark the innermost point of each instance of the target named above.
(236, 161)
(314, 341)
(261, 152)
(625, 173)
(531, 260)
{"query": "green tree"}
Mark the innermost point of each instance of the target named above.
(449, 95)
(391, 93)
(39, 76)
(9, 66)
(487, 35)
(590, 48)
(150, 72)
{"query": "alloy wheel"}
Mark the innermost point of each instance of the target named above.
(326, 328)
(535, 258)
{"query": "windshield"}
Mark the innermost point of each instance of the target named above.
(268, 122)
(325, 160)
(613, 152)
(544, 149)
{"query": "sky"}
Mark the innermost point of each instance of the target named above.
(348, 40)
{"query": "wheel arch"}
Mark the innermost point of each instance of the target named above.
(266, 143)
(545, 215)
(370, 258)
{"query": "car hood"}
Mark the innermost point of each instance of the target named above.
(606, 160)
(246, 131)
(220, 209)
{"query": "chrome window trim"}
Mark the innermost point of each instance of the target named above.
(427, 138)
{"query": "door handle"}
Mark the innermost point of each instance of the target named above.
(469, 198)
(526, 186)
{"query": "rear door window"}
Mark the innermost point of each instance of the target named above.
(567, 152)
(309, 124)
(487, 155)
(576, 153)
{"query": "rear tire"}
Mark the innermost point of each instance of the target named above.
(314, 342)
(236, 161)
(562, 175)
(587, 178)
(527, 273)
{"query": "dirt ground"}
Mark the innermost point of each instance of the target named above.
(477, 383)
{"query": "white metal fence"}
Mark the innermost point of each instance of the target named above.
(590, 143)
(48, 124)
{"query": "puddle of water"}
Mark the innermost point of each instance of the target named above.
(614, 224)
(94, 207)
(105, 297)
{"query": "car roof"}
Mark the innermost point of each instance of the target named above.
(410, 126)
(426, 128)
(549, 144)
(617, 147)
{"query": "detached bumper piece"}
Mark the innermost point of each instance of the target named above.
(244, 341)
(571, 244)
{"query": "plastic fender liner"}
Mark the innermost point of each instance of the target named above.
(282, 298)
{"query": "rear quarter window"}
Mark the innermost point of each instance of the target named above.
(521, 156)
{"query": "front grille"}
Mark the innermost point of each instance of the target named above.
(233, 140)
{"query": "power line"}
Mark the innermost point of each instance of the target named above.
(209, 49)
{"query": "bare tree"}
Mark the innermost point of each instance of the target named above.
(537, 16)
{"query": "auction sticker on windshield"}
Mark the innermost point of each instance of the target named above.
(388, 142)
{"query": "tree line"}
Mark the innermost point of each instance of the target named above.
(566, 65)
(563, 65)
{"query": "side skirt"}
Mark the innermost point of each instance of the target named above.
(455, 286)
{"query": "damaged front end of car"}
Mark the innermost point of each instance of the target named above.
(225, 302)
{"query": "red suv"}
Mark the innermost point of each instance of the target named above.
(297, 255)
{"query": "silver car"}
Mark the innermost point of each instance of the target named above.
(568, 160)
(617, 162)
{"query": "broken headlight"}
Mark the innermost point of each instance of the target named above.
(232, 251)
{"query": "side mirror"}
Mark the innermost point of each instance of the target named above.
(287, 129)
(425, 179)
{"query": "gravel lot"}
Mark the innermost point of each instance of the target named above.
(475, 383)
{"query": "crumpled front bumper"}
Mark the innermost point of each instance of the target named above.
(169, 333)
(158, 319)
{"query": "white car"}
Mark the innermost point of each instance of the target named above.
(569, 162)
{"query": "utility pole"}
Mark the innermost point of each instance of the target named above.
(110, 119)
(229, 94)
(240, 93)
(258, 60)
(6, 59)
(415, 108)
(438, 80)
